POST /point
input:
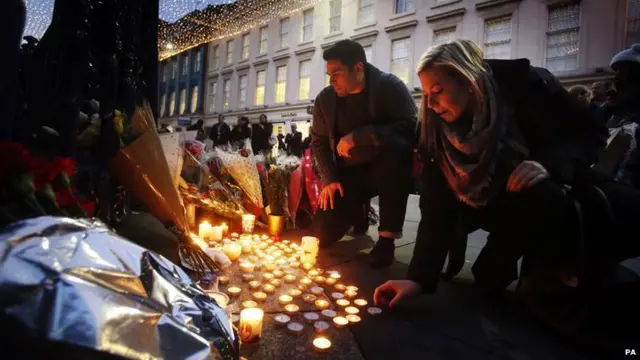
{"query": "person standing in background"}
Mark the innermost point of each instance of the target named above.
(262, 132)
(294, 141)
(199, 127)
(220, 133)
(241, 132)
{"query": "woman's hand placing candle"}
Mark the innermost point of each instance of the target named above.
(391, 292)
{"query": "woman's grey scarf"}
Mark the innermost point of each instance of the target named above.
(469, 160)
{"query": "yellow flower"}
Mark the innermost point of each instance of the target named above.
(118, 122)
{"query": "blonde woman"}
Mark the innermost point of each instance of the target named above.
(499, 139)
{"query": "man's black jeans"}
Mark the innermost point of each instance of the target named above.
(387, 176)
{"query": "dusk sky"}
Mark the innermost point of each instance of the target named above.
(39, 12)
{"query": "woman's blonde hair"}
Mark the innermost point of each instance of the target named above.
(459, 57)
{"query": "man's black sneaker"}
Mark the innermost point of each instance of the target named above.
(382, 253)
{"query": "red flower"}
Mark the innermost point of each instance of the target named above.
(43, 171)
(244, 152)
(88, 206)
(14, 157)
(65, 199)
(64, 164)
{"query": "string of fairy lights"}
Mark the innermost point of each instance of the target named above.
(222, 21)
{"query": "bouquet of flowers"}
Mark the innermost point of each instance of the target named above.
(277, 181)
(33, 185)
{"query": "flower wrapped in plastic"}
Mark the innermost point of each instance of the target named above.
(75, 286)
(244, 171)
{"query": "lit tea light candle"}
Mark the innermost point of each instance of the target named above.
(340, 322)
(329, 314)
(321, 326)
(204, 231)
(253, 258)
(260, 296)
(317, 290)
(234, 291)
(284, 299)
(282, 262)
(311, 317)
(302, 287)
(251, 324)
(342, 302)
(248, 223)
(291, 308)
(264, 237)
(269, 266)
(353, 318)
(289, 278)
(295, 293)
(249, 304)
(268, 288)
(278, 273)
(350, 294)
(294, 264)
(337, 295)
(246, 249)
(295, 328)
(309, 298)
(360, 302)
(216, 233)
(282, 319)
(286, 242)
(288, 251)
(314, 273)
(234, 235)
(253, 285)
(245, 239)
(319, 279)
(321, 344)
(306, 281)
(232, 250)
(247, 267)
(330, 281)
(275, 282)
(248, 277)
(307, 266)
(351, 310)
(268, 276)
(374, 311)
(223, 280)
(340, 287)
(335, 275)
(352, 288)
(321, 304)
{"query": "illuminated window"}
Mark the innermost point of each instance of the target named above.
(245, 46)
(183, 101)
(194, 99)
(242, 91)
(281, 84)
(163, 104)
(400, 59)
(368, 52)
(196, 65)
(229, 59)
(563, 34)
(261, 79)
(213, 90)
(172, 104)
(304, 81)
(227, 94)
(185, 65)
(215, 57)
(497, 38)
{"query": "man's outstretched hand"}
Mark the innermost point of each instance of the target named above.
(327, 195)
(345, 145)
(393, 291)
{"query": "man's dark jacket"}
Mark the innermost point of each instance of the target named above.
(225, 134)
(260, 136)
(393, 125)
(562, 134)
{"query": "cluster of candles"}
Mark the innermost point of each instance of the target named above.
(278, 266)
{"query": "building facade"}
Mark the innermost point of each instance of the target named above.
(182, 82)
(277, 68)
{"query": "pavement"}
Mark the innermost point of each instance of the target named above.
(451, 324)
